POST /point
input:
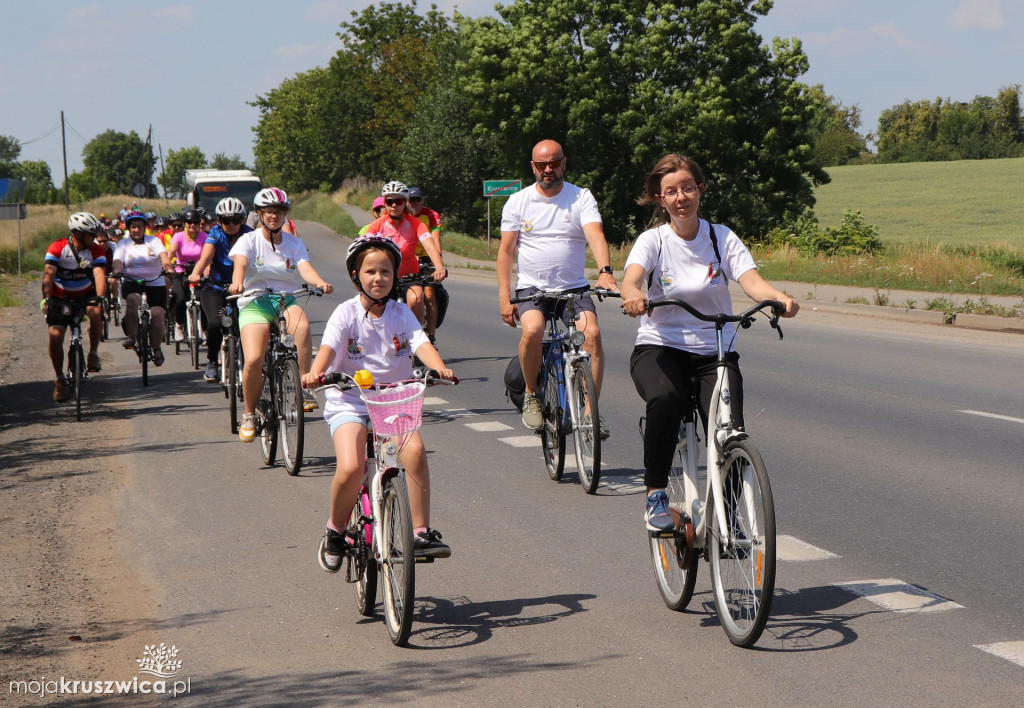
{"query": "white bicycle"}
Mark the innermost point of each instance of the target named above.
(737, 536)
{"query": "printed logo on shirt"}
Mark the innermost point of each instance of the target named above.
(401, 343)
(354, 350)
(527, 225)
(259, 262)
(665, 279)
(714, 274)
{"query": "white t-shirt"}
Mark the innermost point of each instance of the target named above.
(140, 260)
(552, 246)
(688, 270)
(382, 345)
(270, 267)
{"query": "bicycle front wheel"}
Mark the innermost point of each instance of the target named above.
(552, 434)
(76, 360)
(143, 348)
(585, 428)
(398, 562)
(364, 566)
(743, 565)
(292, 416)
(229, 372)
(193, 335)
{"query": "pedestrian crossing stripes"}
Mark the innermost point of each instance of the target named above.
(898, 596)
(1011, 651)
(789, 548)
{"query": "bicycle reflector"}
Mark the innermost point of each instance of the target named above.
(577, 338)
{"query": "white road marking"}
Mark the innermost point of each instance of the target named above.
(994, 415)
(492, 426)
(898, 596)
(1011, 651)
(432, 401)
(456, 413)
(790, 548)
(522, 441)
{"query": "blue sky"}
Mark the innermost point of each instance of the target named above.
(128, 64)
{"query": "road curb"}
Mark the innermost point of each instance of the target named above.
(989, 322)
(888, 313)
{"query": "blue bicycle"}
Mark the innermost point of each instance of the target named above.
(567, 391)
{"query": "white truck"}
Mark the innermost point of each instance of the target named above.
(207, 187)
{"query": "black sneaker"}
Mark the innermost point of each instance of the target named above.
(212, 374)
(332, 551)
(428, 544)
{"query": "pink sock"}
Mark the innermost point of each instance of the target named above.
(330, 525)
(419, 530)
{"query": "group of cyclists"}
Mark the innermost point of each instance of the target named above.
(550, 224)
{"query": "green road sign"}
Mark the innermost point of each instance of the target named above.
(501, 187)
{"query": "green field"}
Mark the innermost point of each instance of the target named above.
(967, 202)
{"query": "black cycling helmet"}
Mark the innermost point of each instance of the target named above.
(363, 243)
(192, 215)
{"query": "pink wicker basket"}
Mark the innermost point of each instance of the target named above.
(397, 409)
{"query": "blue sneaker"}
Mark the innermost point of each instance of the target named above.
(658, 517)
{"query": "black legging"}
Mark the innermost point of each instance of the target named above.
(179, 293)
(662, 377)
(213, 302)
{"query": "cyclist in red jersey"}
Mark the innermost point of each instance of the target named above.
(433, 222)
(74, 269)
(407, 231)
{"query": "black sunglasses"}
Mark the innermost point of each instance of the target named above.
(231, 220)
(392, 201)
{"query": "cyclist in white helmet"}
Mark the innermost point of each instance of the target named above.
(270, 257)
(407, 231)
(215, 264)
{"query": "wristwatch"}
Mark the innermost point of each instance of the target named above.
(607, 269)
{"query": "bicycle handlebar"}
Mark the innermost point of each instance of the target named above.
(343, 381)
(306, 289)
(565, 295)
(745, 319)
(124, 276)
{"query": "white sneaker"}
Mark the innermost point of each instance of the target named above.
(532, 416)
(179, 333)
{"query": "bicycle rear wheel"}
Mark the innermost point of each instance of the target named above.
(552, 434)
(743, 566)
(585, 430)
(674, 558)
(397, 561)
(292, 420)
(266, 421)
(364, 566)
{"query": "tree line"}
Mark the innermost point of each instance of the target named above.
(447, 102)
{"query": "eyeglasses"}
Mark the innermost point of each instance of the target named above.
(394, 201)
(544, 164)
(229, 220)
(193, 223)
(686, 192)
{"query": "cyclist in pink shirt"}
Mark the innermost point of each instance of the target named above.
(185, 249)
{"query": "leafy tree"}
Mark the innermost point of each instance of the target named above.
(178, 161)
(836, 140)
(621, 84)
(220, 161)
(117, 161)
(84, 185)
(39, 187)
(10, 148)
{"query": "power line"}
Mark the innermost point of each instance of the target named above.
(44, 135)
(73, 131)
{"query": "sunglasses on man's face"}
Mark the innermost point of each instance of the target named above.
(394, 201)
(544, 164)
(231, 220)
(193, 223)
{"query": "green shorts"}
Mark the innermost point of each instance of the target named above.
(263, 310)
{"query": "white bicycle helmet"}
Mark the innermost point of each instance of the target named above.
(85, 222)
(361, 244)
(230, 206)
(397, 189)
(271, 196)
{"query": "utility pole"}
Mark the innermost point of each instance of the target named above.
(64, 149)
(163, 176)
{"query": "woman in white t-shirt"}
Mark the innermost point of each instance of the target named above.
(689, 259)
(372, 331)
(270, 258)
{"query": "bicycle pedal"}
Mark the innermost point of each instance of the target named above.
(663, 534)
(424, 559)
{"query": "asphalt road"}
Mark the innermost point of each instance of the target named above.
(548, 598)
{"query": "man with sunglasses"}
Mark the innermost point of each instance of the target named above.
(215, 263)
(551, 223)
(407, 231)
(436, 298)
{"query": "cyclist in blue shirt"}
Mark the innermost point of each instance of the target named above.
(215, 263)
